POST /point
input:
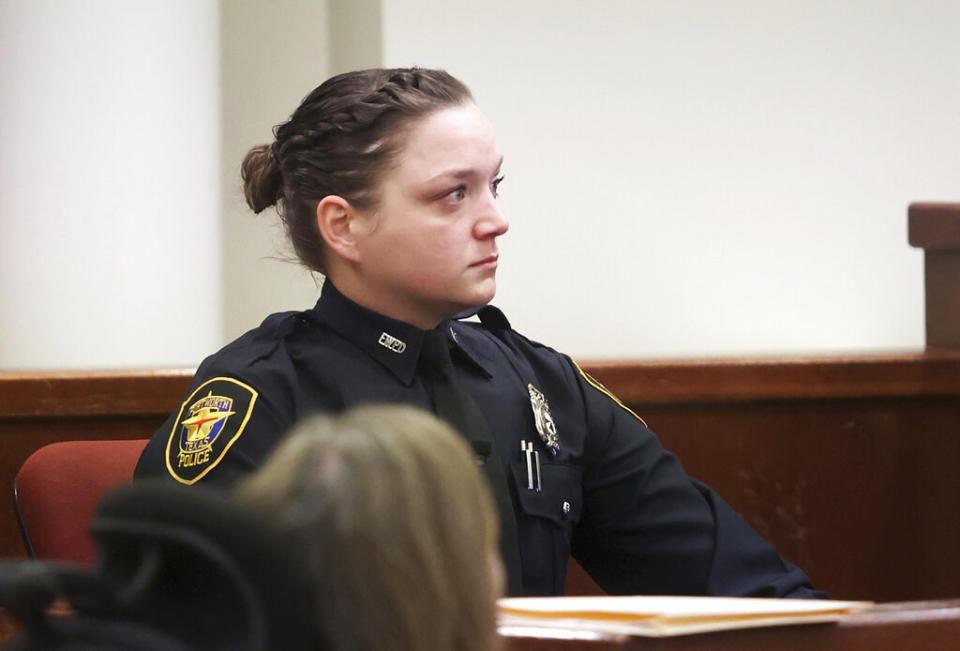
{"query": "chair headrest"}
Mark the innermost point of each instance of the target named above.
(191, 562)
(29, 590)
(178, 568)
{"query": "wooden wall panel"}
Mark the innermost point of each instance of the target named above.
(847, 464)
(858, 492)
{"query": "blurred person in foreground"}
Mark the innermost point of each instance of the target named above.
(393, 522)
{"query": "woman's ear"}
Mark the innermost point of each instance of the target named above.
(335, 219)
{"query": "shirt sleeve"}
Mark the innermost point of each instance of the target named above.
(648, 528)
(222, 430)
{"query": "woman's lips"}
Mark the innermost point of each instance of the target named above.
(490, 261)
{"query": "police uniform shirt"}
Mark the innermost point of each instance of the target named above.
(611, 494)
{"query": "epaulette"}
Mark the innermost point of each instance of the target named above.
(278, 324)
(256, 344)
(493, 319)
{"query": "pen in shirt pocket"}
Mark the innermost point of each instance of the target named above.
(532, 458)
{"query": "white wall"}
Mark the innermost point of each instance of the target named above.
(683, 178)
(109, 200)
(691, 177)
(274, 53)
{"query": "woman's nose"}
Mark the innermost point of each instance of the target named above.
(492, 223)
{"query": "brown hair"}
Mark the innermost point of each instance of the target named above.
(385, 507)
(338, 141)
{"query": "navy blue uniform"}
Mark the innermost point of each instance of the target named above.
(611, 496)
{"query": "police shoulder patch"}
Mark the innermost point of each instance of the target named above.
(210, 421)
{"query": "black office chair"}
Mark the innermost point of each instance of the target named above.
(178, 568)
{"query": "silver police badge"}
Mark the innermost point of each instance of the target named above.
(546, 427)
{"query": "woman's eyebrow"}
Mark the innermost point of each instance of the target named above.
(463, 173)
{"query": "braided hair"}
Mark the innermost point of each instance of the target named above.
(339, 140)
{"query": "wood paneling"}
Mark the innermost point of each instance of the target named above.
(93, 393)
(848, 464)
(856, 491)
(772, 378)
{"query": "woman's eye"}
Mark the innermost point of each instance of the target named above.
(495, 186)
(457, 194)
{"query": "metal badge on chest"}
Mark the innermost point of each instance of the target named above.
(543, 419)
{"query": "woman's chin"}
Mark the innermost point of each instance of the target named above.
(485, 292)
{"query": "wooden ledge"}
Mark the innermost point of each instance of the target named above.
(91, 393)
(774, 378)
(121, 393)
(934, 226)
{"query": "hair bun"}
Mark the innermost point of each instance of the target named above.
(262, 178)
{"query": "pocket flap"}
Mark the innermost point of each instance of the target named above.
(560, 496)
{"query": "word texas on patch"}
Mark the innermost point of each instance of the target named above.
(211, 419)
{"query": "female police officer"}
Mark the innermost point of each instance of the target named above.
(387, 183)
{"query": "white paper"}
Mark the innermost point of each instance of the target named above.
(662, 616)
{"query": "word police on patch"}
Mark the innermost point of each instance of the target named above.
(211, 419)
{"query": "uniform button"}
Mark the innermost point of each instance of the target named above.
(566, 508)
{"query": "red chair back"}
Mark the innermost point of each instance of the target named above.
(58, 488)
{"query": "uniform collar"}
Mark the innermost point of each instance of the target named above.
(394, 344)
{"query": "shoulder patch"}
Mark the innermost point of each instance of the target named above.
(210, 421)
(605, 391)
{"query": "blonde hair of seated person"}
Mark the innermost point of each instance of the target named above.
(388, 512)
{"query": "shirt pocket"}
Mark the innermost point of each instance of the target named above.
(546, 523)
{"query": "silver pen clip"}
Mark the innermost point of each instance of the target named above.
(527, 448)
(536, 459)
